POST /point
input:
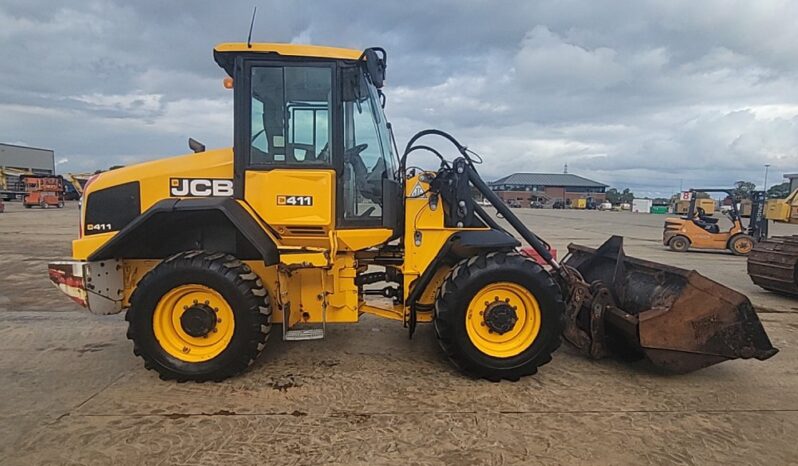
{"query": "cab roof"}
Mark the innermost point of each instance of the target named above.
(224, 54)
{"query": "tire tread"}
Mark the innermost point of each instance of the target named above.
(447, 314)
(245, 282)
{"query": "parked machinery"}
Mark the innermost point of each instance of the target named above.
(783, 210)
(43, 191)
(75, 184)
(11, 185)
(706, 206)
(773, 263)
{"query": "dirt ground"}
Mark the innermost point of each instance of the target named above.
(73, 393)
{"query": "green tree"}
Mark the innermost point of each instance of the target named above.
(779, 191)
(627, 196)
(743, 189)
(613, 196)
(618, 197)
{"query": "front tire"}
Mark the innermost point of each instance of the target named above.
(199, 316)
(499, 316)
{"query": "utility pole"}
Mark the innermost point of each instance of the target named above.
(767, 165)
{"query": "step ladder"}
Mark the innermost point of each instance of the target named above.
(302, 332)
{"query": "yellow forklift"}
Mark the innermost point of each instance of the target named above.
(696, 230)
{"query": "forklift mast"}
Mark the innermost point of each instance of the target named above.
(758, 224)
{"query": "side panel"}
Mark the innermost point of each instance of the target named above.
(700, 238)
(298, 204)
(429, 246)
(158, 178)
(111, 208)
(187, 176)
(358, 239)
(306, 289)
(424, 234)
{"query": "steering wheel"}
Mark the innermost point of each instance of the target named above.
(367, 212)
(352, 157)
(258, 134)
(356, 150)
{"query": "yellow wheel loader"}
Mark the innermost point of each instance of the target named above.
(313, 219)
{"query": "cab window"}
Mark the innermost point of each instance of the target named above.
(290, 115)
(367, 152)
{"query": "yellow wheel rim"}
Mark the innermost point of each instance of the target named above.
(524, 330)
(169, 331)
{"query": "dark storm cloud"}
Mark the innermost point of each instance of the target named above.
(640, 94)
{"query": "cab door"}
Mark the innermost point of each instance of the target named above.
(284, 140)
(369, 193)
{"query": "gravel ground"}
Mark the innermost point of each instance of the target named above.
(73, 393)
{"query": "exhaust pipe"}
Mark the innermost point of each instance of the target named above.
(678, 319)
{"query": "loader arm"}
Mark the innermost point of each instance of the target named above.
(677, 319)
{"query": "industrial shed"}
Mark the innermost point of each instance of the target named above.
(16, 160)
(39, 161)
(547, 188)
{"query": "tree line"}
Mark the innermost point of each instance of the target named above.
(742, 190)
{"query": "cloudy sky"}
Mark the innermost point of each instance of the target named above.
(638, 94)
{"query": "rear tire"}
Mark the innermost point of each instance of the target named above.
(459, 320)
(741, 245)
(218, 349)
(679, 244)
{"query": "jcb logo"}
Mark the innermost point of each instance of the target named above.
(200, 187)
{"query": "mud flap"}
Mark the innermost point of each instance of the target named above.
(678, 319)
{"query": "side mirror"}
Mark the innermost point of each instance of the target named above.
(195, 145)
(376, 62)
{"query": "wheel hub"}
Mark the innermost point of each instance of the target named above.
(198, 320)
(500, 318)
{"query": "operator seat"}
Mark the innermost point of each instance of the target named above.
(709, 224)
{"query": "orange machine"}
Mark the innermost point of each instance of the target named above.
(43, 191)
(695, 230)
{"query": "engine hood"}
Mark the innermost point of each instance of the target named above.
(163, 178)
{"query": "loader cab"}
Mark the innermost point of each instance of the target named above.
(312, 148)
